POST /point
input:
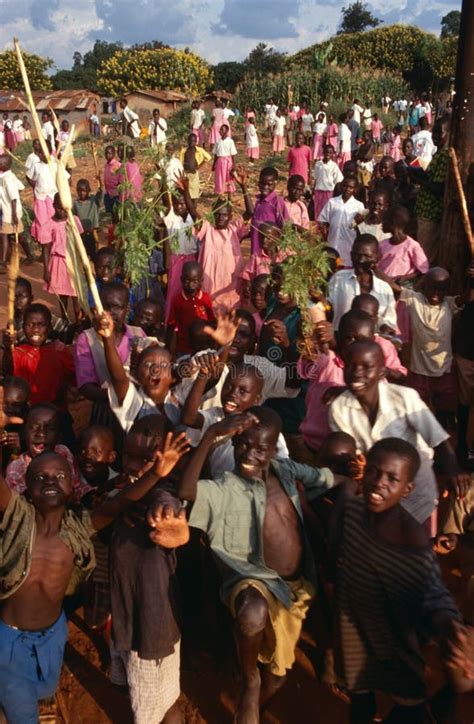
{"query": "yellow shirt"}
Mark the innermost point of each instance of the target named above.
(201, 155)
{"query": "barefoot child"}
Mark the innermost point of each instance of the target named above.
(337, 219)
(279, 134)
(192, 158)
(60, 328)
(269, 206)
(253, 518)
(86, 207)
(132, 181)
(389, 593)
(295, 204)
(326, 174)
(112, 179)
(50, 541)
(299, 158)
(252, 146)
(269, 237)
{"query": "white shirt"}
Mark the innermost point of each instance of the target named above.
(181, 239)
(221, 458)
(326, 175)
(344, 135)
(30, 164)
(279, 126)
(307, 120)
(270, 111)
(136, 404)
(172, 170)
(45, 181)
(157, 131)
(228, 113)
(48, 131)
(402, 105)
(251, 137)
(423, 145)
(340, 217)
(357, 111)
(197, 118)
(132, 118)
(225, 147)
(320, 128)
(10, 187)
(401, 414)
(344, 286)
(367, 117)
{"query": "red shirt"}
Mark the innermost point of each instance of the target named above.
(184, 311)
(47, 369)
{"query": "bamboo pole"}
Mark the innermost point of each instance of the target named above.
(462, 199)
(61, 181)
(13, 269)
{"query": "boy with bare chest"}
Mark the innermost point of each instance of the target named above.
(254, 523)
(41, 541)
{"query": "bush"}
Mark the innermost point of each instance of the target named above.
(333, 84)
(162, 69)
(36, 66)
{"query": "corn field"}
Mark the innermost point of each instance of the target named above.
(331, 84)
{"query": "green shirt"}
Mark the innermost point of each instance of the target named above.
(231, 510)
(428, 205)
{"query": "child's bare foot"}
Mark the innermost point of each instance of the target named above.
(270, 685)
(249, 701)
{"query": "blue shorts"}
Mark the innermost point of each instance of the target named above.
(30, 667)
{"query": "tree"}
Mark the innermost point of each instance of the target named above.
(165, 69)
(228, 75)
(450, 24)
(84, 68)
(264, 59)
(36, 66)
(356, 18)
(150, 45)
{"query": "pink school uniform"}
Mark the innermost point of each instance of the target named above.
(398, 260)
(279, 126)
(298, 213)
(218, 118)
(44, 191)
(134, 180)
(326, 176)
(183, 246)
(221, 260)
(257, 264)
(59, 281)
(325, 372)
(112, 177)
(224, 150)
(331, 135)
(299, 158)
(394, 147)
(319, 140)
(376, 130)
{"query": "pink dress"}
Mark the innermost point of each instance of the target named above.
(223, 181)
(134, 179)
(397, 260)
(331, 134)
(394, 148)
(318, 145)
(221, 260)
(298, 213)
(299, 158)
(218, 117)
(278, 144)
(257, 264)
(376, 130)
(59, 281)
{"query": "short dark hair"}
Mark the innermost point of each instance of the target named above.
(269, 171)
(366, 239)
(83, 182)
(99, 429)
(355, 315)
(18, 383)
(153, 426)
(190, 266)
(361, 298)
(295, 179)
(267, 418)
(37, 308)
(104, 251)
(399, 447)
(22, 282)
(115, 287)
(37, 460)
(248, 316)
(43, 406)
(247, 370)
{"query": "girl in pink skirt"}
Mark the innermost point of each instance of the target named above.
(56, 276)
(320, 128)
(332, 132)
(44, 190)
(326, 175)
(218, 118)
(279, 133)
(251, 140)
(394, 147)
(224, 152)
(344, 140)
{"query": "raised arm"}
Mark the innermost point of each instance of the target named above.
(165, 461)
(5, 492)
(104, 326)
(209, 368)
(240, 176)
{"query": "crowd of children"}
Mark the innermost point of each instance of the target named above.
(311, 461)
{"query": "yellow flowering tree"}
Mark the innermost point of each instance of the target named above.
(36, 66)
(161, 69)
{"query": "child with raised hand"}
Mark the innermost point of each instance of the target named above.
(41, 433)
(153, 372)
(47, 366)
(370, 409)
(112, 180)
(337, 217)
(252, 146)
(180, 242)
(187, 305)
(86, 207)
(297, 209)
(50, 542)
(325, 373)
(326, 174)
(146, 646)
(193, 157)
(299, 158)
(348, 283)
(56, 275)
(224, 151)
(389, 593)
(219, 252)
(268, 578)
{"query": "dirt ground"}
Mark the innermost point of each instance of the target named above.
(86, 695)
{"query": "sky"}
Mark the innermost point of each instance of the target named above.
(218, 30)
